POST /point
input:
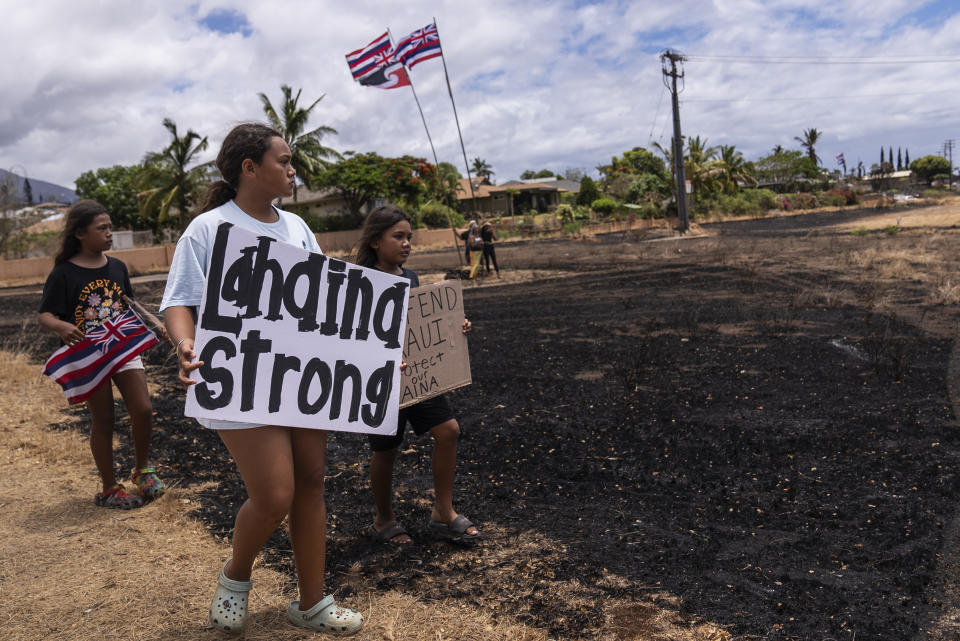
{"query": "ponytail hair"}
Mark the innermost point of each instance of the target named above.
(378, 221)
(217, 194)
(79, 217)
(247, 140)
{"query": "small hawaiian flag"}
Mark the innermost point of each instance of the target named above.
(365, 61)
(82, 367)
(376, 66)
(840, 160)
(420, 45)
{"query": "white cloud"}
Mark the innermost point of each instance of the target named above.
(556, 85)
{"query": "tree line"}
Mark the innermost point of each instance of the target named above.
(164, 189)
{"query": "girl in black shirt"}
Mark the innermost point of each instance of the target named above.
(86, 288)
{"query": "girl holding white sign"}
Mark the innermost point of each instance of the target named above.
(385, 245)
(282, 467)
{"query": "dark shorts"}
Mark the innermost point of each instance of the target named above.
(422, 416)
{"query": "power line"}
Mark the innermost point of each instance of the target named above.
(656, 114)
(827, 60)
(815, 98)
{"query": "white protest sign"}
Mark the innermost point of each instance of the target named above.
(435, 349)
(290, 337)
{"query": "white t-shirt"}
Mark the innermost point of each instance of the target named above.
(188, 270)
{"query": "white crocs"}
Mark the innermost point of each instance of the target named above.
(228, 611)
(326, 616)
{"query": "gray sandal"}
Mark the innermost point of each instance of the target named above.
(387, 532)
(455, 530)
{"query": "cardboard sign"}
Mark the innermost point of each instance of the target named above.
(289, 337)
(435, 349)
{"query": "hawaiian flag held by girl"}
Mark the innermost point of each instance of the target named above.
(82, 367)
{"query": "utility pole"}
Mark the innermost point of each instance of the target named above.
(671, 58)
(948, 152)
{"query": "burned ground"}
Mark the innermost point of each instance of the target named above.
(747, 428)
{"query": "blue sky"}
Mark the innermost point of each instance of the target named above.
(556, 85)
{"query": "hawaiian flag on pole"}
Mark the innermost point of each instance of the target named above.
(365, 61)
(420, 45)
(375, 65)
(82, 367)
(841, 161)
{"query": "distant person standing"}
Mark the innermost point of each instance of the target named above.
(469, 240)
(488, 234)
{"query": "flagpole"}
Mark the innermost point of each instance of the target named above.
(473, 197)
(419, 108)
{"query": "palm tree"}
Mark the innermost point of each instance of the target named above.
(446, 185)
(777, 149)
(697, 164)
(810, 138)
(310, 156)
(166, 183)
(733, 169)
(482, 169)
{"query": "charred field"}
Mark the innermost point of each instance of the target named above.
(752, 429)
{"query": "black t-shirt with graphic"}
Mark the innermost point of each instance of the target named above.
(86, 297)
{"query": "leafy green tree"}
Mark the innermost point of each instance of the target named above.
(444, 185)
(530, 174)
(906, 159)
(588, 193)
(309, 156)
(808, 142)
(927, 167)
(481, 168)
(638, 175)
(881, 158)
(899, 159)
(787, 171)
(169, 185)
(362, 178)
(116, 189)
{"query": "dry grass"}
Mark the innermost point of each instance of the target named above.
(75, 571)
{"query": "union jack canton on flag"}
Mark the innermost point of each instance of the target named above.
(82, 367)
(365, 61)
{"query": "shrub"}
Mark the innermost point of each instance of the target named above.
(434, 214)
(648, 210)
(572, 228)
(839, 196)
(565, 214)
(829, 199)
(802, 200)
(604, 206)
(891, 230)
(581, 212)
(765, 199)
(337, 222)
(861, 231)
